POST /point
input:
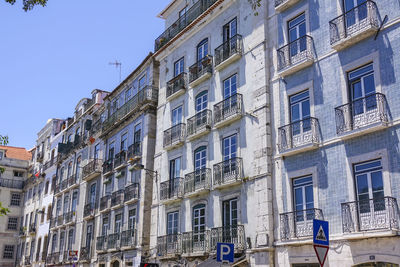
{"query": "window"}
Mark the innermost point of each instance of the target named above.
(369, 185)
(61, 174)
(124, 142)
(230, 212)
(43, 214)
(176, 115)
(38, 248)
(137, 136)
(54, 243)
(229, 30)
(18, 174)
(128, 94)
(62, 241)
(15, 199)
(66, 204)
(200, 158)
(201, 101)
(199, 222)
(172, 223)
(303, 198)
(69, 170)
(45, 244)
(92, 194)
(46, 189)
(118, 223)
(8, 252)
(142, 82)
(78, 168)
(77, 132)
(49, 211)
(12, 223)
(70, 239)
(74, 200)
(178, 66)
(34, 191)
(362, 89)
(355, 15)
(58, 207)
(202, 51)
(96, 151)
(132, 219)
(111, 151)
(300, 111)
(230, 86)
(105, 227)
(296, 30)
(229, 147)
(1, 155)
(89, 235)
(174, 168)
(182, 17)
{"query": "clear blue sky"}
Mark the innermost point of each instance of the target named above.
(53, 56)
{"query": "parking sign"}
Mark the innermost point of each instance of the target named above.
(225, 252)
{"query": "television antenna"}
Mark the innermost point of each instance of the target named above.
(117, 65)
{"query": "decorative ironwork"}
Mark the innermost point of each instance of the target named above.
(370, 214)
(64, 184)
(113, 241)
(128, 238)
(120, 158)
(228, 108)
(101, 243)
(94, 166)
(199, 122)
(197, 180)
(117, 198)
(361, 113)
(135, 150)
(105, 202)
(228, 234)
(9, 183)
(60, 220)
(228, 171)
(295, 52)
(69, 217)
(84, 254)
(195, 242)
(200, 68)
(169, 245)
(49, 163)
(176, 84)
(96, 127)
(299, 133)
(228, 48)
(88, 209)
(108, 165)
(299, 223)
(175, 134)
(190, 15)
(52, 223)
(354, 21)
(39, 156)
(171, 189)
(32, 228)
(131, 192)
(72, 180)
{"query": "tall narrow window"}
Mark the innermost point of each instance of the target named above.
(230, 86)
(124, 142)
(69, 169)
(66, 204)
(62, 241)
(229, 30)
(142, 82)
(111, 151)
(176, 115)
(92, 194)
(132, 219)
(96, 153)
(54, 243)
(118, 223)
(137, 136)
(172, 223)
(303, 198)
(179, 66)
(70, 239)
(89, 236)
(229, 147)
(297, 29)
(78, 168)
(202, 50)
(74, 201)
(201, 101)
(300, 111)
(105, 225)
(199, 223)
(355, 15)
(230, 212)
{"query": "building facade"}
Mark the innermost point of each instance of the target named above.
(213, 144)
(335, 116)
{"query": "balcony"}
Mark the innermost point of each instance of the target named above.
(57, 188)
(56, 257)
(190, 15)
(228, 173)
(92, 169)
(361, 116)
(64, 185)
(228, 110)
(117, 198)
(113, 241)
(101, 243)
(177, 86)
(10, 183)
(174, 136)
(32, 229)
(39, 157)
(298, 136)
(53, 223)
(281, 5)
(169, 246)
(146, 97)
(197, 182)
(370, 215)
(228, 234)
(128, 239)
(295, 56)
(70, 217)
(171, 190)
(48, 164)
(88, 210)
(195, 243)
(105, 204)
(227, 53)
(73, 181)
(354, 25)
(199, 124)
(108, 167)
(134, 152)
(131, 193)
(120, 160)
(200, 71)
(298, 224)
(60, 220)
(84, 255)
(22, 232)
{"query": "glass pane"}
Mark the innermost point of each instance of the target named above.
(376, 181)
(362, 184)
(369, 84)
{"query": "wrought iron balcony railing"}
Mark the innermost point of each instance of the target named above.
(85, 254)
(228, 171)
(361, 113)
(131, 192)
(117, 198)
(60, 220)
(231, 47)
(88, 209)
(93, 167)
(53, 222)
(296, 52)
(201, 68)
(113, 241)
(370, 214)
(9, 183)
(101, 243)
(169, 245)
(197, 181)
(108, 166)
(199, 123)
(72, 180)
(69, 217)
(299, 223)
(354, 22)
(64, 184)
(56, 257)
(135, 150)
(128, 238)
(105, 202)
(39, 156)
(174, 135)
(195, 242)
(49, 163)
(171, 189)
(228, 108)
(190, 15)
(96, 127)
(120, 158)
(298, 134)
(57, 188)
(32, 228)
(177, 84)
(228, 234)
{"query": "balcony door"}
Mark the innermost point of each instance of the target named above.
(70, 239)
(132, 219)
(92, 195)
(172, 231)
(299, 116)
(303, 205)
(74, 201)
(199, 226)
(66, 204)
(118, 223)
(200, 161)
(229, 31)
(174, 174)
(229, 149)
(355, 12)
(230, 97)
(105, 225)
(89, 236)
(179, 66)
(177, 116)
(202, 51)
(58, 209)
(370, 194)
(111, 151)
(62, 242)
(297, 30)
(230, 221)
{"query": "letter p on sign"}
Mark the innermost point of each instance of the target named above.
(225, 252)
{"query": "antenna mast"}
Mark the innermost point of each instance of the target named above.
(117, 64)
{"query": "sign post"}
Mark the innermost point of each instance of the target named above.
(321, 240)
(225, 252)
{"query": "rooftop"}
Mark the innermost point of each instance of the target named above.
(16, 152)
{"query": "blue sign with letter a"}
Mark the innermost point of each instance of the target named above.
(225, 252)
(321, 232)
